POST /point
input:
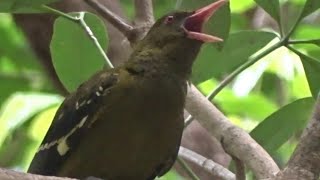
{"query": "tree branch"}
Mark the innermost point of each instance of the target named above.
(144, 13)
(210, 166)
(305, 161)
(119, 47)
(235, 140)
(144, 18)
(7, 174)
(143, 21)
(111, 17)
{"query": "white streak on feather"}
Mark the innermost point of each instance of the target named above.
(82, 103)
(60, 116)
(47, 145)
(83, 120)
(62, 146)
(89, 101)
(97, 93)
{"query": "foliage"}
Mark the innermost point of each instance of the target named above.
(271, 94)
(77, 65)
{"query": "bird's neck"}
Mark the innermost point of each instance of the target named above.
(174, 60)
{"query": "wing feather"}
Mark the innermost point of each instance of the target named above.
(68, 126)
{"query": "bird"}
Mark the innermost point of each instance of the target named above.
(126, 123)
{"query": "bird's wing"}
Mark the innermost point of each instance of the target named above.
(69, 123)
(163, 168)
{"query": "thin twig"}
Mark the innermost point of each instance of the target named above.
(188, 170)
(305, 41)
(293, 28)
(188, 121)
(111, 17)
(208, 165)
(80, 20)
(244, 66)
(59, 13)
(240, 168)
(235, 73)
(118, 49)
(95, 40)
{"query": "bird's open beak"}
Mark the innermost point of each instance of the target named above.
(193, 24)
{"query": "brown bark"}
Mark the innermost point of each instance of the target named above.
(305, 161)
(7, 174)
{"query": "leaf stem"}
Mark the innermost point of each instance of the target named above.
(236, 72)
(59, 13)
(94, 39)
(305, 41)
(294, 27)
(244, 66)
(80, 20)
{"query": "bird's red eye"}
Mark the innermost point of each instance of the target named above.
(169, 19)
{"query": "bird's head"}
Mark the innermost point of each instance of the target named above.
(185, 25)
(178, 36)
(188, 25)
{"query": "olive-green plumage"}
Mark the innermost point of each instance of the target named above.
(125, 123)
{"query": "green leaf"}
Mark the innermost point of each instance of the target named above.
(17, 110)
(237, 49)
(171, 175)
(308, 32)
(75, 56)
(309, 7)
(241, 6)
(22, 143)
(312, 69)
(272, 7)
(297, 2)
(14, 45)
(316, 42)
(12, 83)
(161, 7)
(15, 147)
(276, 129)
(23, 6)
(255, 106)
(284, 153)
(38, 129)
